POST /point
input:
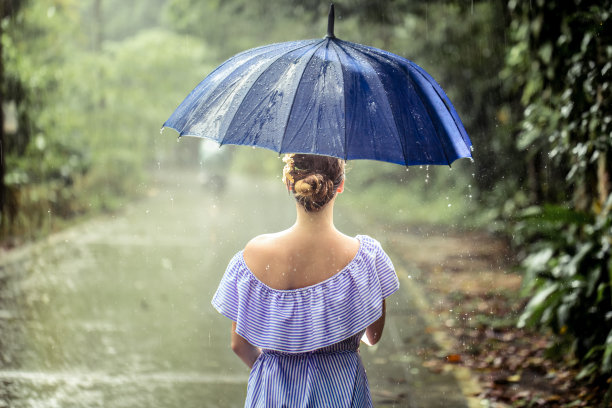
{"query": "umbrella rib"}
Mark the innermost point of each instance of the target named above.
(345, 115)
(212, 90)
(344, 94)
(448, 106)
(257, 79)
(319, 45)
(435, 128)
(397, 129)
(418, 92)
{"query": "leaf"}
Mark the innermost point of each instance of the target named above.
(607, 356)
(537, 261)
(453, 358)
(514, 378)
(537, 305)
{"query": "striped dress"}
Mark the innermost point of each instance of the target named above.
(309, 336)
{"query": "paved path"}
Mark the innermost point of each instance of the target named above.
(116, 312)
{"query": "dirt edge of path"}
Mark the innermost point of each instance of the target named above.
(468, 288)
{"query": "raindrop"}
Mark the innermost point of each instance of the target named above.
(449, 204)
(158, 166)
(161, 130)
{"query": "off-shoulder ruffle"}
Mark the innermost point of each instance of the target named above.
(306, 319)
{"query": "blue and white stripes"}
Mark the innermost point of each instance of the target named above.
(306, 319)
(309, 336)
(332, 377)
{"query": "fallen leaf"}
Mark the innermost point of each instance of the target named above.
(514, 378)
(453, 358)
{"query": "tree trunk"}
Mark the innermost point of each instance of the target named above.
(603, 179)
(98, 26)
(2, 144)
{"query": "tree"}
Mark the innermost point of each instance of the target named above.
(8, 10)
(560, 59)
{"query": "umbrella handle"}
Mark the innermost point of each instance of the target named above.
(330, 22)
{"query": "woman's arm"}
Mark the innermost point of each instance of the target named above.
(247, 352)
(374, 331)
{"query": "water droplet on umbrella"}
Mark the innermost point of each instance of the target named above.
(161, 130)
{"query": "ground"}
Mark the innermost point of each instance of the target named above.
(135, 287)
(474, 290)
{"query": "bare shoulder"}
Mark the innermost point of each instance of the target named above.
(261, 248)
(351, 244)
(261, 243)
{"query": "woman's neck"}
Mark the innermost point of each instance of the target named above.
(315, 222)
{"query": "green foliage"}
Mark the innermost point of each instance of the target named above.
(560, 61)
(420, 33)
(568, 270)
(564, 70)
(466, 59)
(396, 198)
(87, 118)
(233, 26)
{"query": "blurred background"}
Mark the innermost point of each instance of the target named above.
(86, 84)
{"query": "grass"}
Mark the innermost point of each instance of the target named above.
(420, 195)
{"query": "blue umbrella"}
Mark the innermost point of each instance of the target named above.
(328, 97)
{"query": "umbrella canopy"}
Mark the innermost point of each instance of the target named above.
(328, 97)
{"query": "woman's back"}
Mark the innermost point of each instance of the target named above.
(301, 300)
(291, 260)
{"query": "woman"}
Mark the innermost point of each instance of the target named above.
(301, 300)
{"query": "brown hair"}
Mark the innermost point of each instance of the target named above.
(313, 179)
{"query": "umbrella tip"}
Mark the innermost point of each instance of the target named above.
(330, 22)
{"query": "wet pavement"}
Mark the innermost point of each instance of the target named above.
(115, 312)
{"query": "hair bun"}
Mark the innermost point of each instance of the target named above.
(309, 186)
(313, 179)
